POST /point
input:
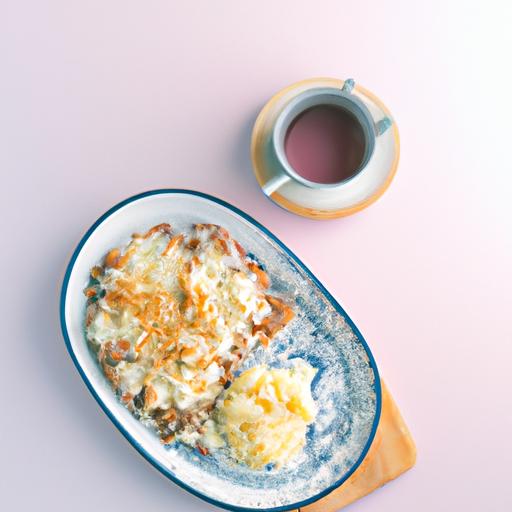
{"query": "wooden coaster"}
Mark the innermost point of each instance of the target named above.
(392, 453)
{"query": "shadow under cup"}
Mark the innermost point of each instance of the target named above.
(323, 138)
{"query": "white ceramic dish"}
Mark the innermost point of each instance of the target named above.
(347, 386)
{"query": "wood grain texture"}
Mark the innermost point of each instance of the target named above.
(392, 453)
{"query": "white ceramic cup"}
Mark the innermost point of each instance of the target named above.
(330, 96)
(281, 183)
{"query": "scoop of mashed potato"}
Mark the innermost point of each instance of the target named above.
(265, 414)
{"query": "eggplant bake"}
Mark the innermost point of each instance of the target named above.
(172, 316)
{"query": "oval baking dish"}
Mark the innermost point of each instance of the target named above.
(346, 387)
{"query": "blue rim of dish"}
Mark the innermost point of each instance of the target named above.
(165, 471)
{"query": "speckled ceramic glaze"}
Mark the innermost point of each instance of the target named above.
(346, 387)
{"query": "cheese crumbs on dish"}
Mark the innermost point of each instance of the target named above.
(265, 414)
(172, 316)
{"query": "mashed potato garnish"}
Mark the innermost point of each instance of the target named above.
(265, 414)
(171, 316)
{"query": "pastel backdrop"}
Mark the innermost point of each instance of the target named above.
(102, 100)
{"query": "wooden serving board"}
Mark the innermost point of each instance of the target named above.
(392, 453)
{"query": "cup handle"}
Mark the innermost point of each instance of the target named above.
(274, 184)
(383, 125)
(348, 85)
(380, 126)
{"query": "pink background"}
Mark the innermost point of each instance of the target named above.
(103, 99)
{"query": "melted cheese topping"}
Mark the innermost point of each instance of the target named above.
(172, 316)
(264, 415)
